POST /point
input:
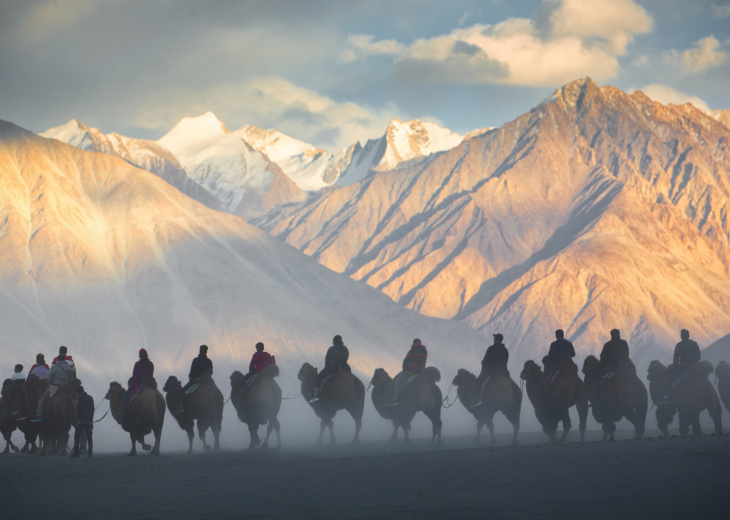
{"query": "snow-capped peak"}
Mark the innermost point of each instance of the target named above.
(74, 133)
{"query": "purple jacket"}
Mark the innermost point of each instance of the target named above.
(141, 368)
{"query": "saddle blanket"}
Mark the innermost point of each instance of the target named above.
(249, 381)
(550, 378)
(606, 377)
(192, 389)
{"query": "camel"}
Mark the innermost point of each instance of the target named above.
(258, 404)
(421, 395)
(343, 390)
(205, 405)
(145, 413)
(59, 414)
(16, 396)
(500, 394)
(692, 394)
(553, 405)
(622, 395)
(722, 372)
(7, 422)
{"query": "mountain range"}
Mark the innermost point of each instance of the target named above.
(597, 209)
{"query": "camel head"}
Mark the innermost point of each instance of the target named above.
(307, 372)
(722, 370)
(236, 380)
(114, 388)
(172, 383)
(590, 364)
(531, 370)
(379, 375)
(656, 369)
(463, 376)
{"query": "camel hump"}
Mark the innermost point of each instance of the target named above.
(568, 365)
(149, 382)
(429, 375)
(271, 370)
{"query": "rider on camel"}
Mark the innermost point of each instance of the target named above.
(259, 361)
(337, 356)
(40, 369)
(560, 349)
(61, 373)
(614, 356)
(495, 360)
(414, 362)
(143, 367)
(686, 355)
(200, 365)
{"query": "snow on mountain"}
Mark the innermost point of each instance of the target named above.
(105, 258)
(595, 210)
(402, 143)
(244, 180)
(721, 115)
(144, 154)
(302, 162)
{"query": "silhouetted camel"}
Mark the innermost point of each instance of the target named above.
(204, 405)
(340, 391)
(691, 394)
(258, 404)
(421, 395)
(553, 404)
(500, 394)
(621, 395)
(145, 413)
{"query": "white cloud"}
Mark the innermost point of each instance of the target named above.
(665, 94)
(704, 54)
(720, 11)
(270, 102)
(362, 45)
(565, 39)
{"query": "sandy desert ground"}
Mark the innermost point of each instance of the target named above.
(652, 478)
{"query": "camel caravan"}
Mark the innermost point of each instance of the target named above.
(50, 400)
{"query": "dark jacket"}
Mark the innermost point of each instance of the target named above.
(141, 368)
(415, 360)
(687, 351)
(337, 356)
(85, 408)
(559, 349)
(496, 356)
(614, 351)
(200, 364)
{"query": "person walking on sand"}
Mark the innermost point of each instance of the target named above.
(85, 409)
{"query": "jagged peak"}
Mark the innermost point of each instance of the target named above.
(206, 122)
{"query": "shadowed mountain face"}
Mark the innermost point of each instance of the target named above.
(596, 210)
(107, 258)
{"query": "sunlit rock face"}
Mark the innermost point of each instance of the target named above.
(106, 258)
(595, 210)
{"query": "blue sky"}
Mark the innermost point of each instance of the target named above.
(335, 71)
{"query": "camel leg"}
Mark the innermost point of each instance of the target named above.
(356, 413)
(394, 437)
(157, 430)
(191, 436)
(480, 426)
(406, 437)
(63, 449)
(696, 428)
(216, 428)
(269, 429)
(435, 415)
(715, 411)
(514, 418)
(134, 445)
(490, 425)
(331, 427)
(275, 426)
(201, 433)
(322, 426)
(567, 425)
(253, 429)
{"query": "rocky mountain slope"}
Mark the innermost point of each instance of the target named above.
(145, 154)
(106, 258)
(597, 209)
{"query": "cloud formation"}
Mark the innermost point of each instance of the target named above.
(665, 95)
(704, 54)
(270, 102)
(563, 40)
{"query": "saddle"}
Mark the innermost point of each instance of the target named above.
(192, 389)
(249, 381)
(550, 378)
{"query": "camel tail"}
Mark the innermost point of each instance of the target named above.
(430, 375)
